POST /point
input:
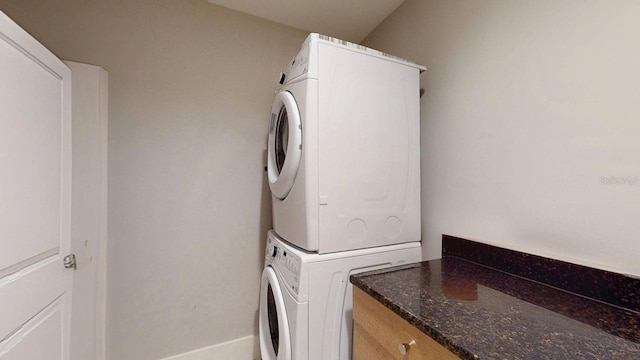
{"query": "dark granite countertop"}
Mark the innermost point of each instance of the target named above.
(481, 313)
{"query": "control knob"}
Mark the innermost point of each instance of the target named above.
(274, 251)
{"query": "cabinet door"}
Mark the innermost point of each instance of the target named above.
(379, 333)
(35, 198)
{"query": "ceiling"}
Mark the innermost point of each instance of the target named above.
(350, 20)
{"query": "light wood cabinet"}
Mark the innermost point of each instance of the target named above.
(379, 333)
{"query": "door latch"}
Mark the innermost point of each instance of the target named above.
(70, 261)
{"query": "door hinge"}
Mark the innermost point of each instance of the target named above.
(70, 261)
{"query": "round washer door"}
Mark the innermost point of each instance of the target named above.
(275, 339)
(285, 144)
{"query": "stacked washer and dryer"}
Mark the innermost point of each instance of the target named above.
(344, 171)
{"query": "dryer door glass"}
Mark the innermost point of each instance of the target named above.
(272, 314)
(282, 138)
(285, 144)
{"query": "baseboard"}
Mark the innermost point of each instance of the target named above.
(245, 348)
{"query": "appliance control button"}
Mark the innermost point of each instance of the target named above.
(274, 251)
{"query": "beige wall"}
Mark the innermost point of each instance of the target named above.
(530, 108)
(191, 85)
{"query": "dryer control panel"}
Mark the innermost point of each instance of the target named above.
(299, 65)
(286, 262)
(290, 261)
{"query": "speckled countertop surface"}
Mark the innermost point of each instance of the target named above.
(481, 313)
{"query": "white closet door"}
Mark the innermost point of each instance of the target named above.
(35, 197)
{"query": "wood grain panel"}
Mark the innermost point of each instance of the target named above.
(378, 333)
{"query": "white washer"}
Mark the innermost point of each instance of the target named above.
(306, 299)
(344, 148)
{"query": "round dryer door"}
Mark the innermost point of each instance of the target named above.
(285, 144)
(275, 339)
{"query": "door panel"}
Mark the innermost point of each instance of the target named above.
(31, 138)
(31, 291)
(35, 194)
(40, 337)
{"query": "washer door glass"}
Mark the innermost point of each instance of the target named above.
(275, 340)
(285, 144)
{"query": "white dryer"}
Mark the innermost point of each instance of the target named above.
(306, 299)
(344, 148)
